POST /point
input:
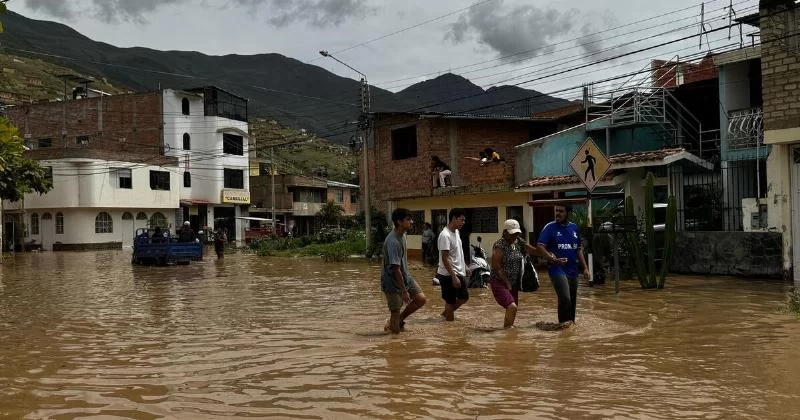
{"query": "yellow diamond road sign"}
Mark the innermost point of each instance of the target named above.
(590, 164)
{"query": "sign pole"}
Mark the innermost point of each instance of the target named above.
(590, 240)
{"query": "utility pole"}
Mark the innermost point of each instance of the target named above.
(272, 173)
(364, 126)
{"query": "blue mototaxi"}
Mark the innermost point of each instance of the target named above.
(151, 247)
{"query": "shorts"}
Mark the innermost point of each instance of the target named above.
(502, 295)
(449, 293)
(395, 300)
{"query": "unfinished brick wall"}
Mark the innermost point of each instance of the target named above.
(453, 140)
(127, 124)
(780, 64)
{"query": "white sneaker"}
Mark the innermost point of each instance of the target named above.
(435, 281)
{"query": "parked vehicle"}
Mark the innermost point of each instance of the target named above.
(478, 266)
(150, 247)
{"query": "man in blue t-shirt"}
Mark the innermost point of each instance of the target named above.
(560, 241)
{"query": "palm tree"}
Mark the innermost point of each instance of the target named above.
(330, 213)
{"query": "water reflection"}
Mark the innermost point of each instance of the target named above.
(88, 334)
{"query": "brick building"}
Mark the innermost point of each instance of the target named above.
(401, 170)
(779, 22)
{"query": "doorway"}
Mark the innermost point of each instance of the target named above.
(48, 231)
(128, 229)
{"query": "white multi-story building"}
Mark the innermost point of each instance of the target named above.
(123, 162)
(206, 129)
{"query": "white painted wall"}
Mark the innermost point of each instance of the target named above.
(79, 225)
(91, 183)
(205, 159)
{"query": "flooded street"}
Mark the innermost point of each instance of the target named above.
(87, 334)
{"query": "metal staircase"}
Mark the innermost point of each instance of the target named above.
(646, 99)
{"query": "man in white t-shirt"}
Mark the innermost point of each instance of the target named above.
(452, 271)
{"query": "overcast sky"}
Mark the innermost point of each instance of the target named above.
(557, 34)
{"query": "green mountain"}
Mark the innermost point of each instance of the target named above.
(291, 92)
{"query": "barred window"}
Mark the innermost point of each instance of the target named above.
(35, 224)
(158, 220)
(59, 224)
(419, 222)
(141, 216)
(103, 223)
(483, 220)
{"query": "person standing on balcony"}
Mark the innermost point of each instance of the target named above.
(396, 282)
(560, 243)
(440, 172)
(452, 271)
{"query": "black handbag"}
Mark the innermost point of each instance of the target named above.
(529, 277)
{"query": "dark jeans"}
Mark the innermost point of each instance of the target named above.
(567, 292)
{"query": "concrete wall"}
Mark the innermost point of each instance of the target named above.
(500, 200)
(204, 160)
(87, 183)
(79, 226)
(751, 254)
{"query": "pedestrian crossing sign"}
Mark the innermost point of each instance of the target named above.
(590, 164)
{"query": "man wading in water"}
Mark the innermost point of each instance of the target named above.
(396, 282)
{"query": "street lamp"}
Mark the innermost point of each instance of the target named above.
(364, 124)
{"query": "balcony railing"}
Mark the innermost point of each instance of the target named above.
(746, 128)
(300, 208)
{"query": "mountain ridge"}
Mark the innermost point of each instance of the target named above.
(294, 93)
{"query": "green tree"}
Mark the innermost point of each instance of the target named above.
(330, 213)
(18, 174)
(3, 9)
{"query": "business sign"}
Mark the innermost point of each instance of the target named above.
(236, 196)
(590, 164)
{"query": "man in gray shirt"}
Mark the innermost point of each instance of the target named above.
(396, 282)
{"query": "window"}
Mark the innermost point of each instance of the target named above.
(308, 196)
(232, 144)
(438, 220)
(185, 106)
(354, 197)
(82, 140)
(234, 178)
(404, 143)
(47, 216)
(59, 224)
(158, 219)
(122, 178)
(187, 141)
(35, 224)
(127, 216)
(103, 223)
(514, 212)
(187, 179)
(159, 180)
(45, 143)
(483, 219)
(48, 173)
(419, 222)
(141, 216)
(338, 196)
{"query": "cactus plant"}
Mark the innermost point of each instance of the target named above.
(645, 254)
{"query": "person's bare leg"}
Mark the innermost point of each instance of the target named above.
(393, 325)
(417, 302)
(449, 312)
(511, 315)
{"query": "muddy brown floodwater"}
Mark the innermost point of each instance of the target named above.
(88, 335)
